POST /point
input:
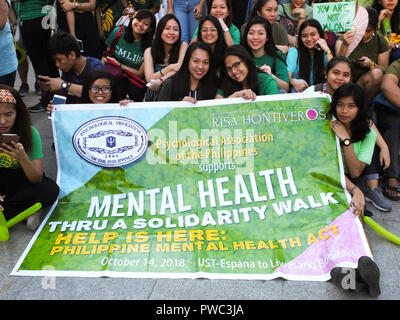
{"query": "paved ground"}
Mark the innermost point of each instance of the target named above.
(386, 254)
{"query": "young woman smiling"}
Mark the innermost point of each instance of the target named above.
(242, 78)
(222, 10)
(211, 33)
(164, 58)
(258, 40)
(129, 51)
(268, 9)
(195, 80)
(306, 63)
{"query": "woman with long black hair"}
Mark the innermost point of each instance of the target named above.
(195, 80)
(164, 58)
(23, 182)
(129, 51)
(306, 63)
(242, 78)
(259, 42)
(211, 33)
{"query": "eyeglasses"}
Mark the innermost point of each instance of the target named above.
(234, 66)
(96, 89)
(212, 29)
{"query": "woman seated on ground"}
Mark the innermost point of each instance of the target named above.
(23, 182)
(306, 63)
(242, 78)
(134, 40)
(211, 33)
(222, 10)
(389, 10)
(268, 9)
(164, 58)
(292, 15)
(195, 80)
(352, 127)
(370, 58)
(339, 72)
(259, 42)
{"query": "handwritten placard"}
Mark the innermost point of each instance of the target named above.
(335, 16)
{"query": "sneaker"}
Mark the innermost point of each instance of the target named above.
(23, 90)
(33, 221)
(377, 199)
(37, 108)
(369, 272)
(38, 89)
(340, 277)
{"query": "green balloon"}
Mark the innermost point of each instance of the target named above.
(5, 225)
(382, 231)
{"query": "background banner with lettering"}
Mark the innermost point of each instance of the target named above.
(222, 189)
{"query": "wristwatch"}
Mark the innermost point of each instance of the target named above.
(346, 142)
(65, 85)
(226, 30)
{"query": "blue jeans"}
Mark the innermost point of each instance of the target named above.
(183, 10)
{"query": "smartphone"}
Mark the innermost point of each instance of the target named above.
(57, 99)
(80, 46)
(8, 137)
(359, 60)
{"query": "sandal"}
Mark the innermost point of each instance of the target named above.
(391, 192)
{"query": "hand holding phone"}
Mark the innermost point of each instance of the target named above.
(9, 137)
(57, 99)
(359, 60)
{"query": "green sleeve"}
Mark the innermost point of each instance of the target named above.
(36, 152)
(195, 33)
(267, 84)
(281, 68)
(367, 146)
(111, 37)
(220, 92)
(235, 33)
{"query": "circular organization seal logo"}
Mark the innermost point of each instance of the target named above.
(110, 142)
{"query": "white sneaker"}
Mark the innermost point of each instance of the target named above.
(33, 221)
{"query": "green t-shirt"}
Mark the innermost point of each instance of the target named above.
(280, 69)
(30, 9)
(128, 53)
(371, 49)
(394, 68)
(364, 149)
(36, 153)
(267, 85)
(233, 30)
(279, 33)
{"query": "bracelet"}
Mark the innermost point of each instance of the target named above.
(329, 52)
(373, 66)
(352, 189)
